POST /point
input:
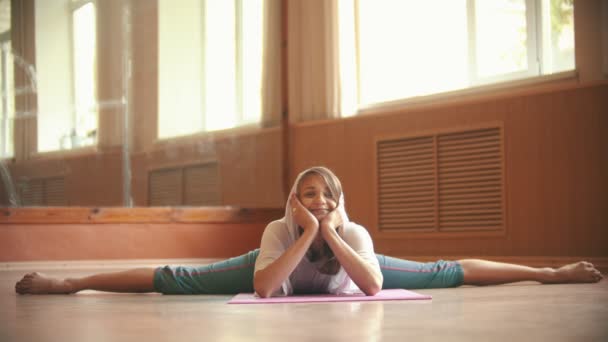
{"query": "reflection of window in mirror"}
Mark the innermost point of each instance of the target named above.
(66, 74)
(7, 105)
(209, 65)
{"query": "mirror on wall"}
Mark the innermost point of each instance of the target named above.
(139, 103)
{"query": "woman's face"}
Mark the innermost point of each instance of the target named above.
(315, 195)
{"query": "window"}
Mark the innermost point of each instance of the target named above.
(7, 105)
(66, 74)
(83, 48)
(409, 48)
(209, 65)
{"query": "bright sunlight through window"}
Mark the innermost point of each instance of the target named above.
(409, 48)
(7, 111)
(210, 65)
(85, 118)
(66, 74)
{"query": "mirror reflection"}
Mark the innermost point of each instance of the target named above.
(140, 103)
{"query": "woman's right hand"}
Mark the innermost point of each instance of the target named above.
(303, 217)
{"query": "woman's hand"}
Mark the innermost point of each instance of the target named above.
(331, 222)
(302, 216)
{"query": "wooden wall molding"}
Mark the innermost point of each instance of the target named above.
(88, 215)
(55, 234)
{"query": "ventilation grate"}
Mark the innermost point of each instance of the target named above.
(43, 192)
(406, 166)
(202, 185)
(188, 185)
(165, 187)
(441, 182)
(470, 180)
(54, 190)
(32, 192)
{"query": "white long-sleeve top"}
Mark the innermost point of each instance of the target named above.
(306, 278)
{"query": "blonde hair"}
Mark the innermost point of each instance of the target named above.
(332, 181)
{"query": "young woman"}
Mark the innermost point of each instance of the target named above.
(314, 248)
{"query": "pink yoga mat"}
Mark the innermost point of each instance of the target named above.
(393, 294)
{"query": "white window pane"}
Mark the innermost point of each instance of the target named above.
(410, 48)
(54, 74)
(200, 77)
(180, 59)
(220, 64)
(501, 37)
(7, 109)
(562, 35)
(252, 45)
(84, 74)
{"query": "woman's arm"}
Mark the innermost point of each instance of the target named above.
(266, 281)
(269, 279)
(367, 277)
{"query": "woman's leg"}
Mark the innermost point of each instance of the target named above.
(134, 280)
(233, 275)
(484, 272)
(406, 274)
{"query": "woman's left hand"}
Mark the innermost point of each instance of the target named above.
(303, 217)
(331, 221)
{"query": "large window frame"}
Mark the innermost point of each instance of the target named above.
(533, 53)
(57, 77)
(241, 115)
(539, 65)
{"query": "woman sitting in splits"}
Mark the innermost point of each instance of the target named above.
(313, 249)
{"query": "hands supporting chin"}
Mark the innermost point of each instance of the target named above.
(302, 216)
(305, 219)
(330, 223)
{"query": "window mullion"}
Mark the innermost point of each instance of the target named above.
(74, 6)
(4, 114)
(357, 55)
(203, 99)
(534, 41)
(472, 41)
(238, 30)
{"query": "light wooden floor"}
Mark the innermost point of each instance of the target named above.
(514, 313)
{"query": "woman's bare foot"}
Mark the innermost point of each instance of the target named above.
(38, 283)
(578, 272)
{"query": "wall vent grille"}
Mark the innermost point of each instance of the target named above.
(450, 181)
(192, 185)
(42, 192)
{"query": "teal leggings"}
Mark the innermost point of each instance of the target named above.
(235, 275)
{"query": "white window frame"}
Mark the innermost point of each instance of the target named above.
(240, 116)
(533, 49)
(56, 91)
(5, 119)
(537, 15)
(75, 5)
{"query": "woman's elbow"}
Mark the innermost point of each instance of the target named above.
(263, 293)
(262, 290)
(372, 290)
(373, 287)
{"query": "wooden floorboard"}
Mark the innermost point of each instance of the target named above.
(514, 313)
